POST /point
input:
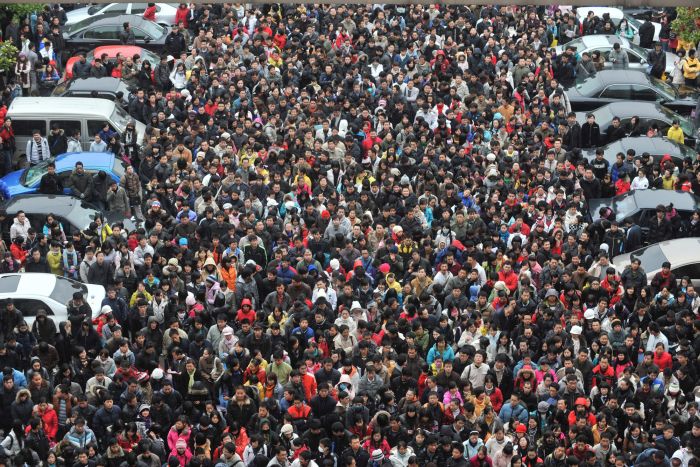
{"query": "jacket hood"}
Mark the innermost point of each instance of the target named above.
(24, 391)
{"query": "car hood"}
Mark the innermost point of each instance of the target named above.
(687, 92)
(95, 295)
(12, 180)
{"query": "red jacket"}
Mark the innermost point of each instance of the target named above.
(182, 14)
(150, 13)
(511, 280)
(49, 419)
(600, 375)
(663, 361)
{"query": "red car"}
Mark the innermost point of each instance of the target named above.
(112, 51)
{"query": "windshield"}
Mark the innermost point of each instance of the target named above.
(71, 28)
(603, 115)
(587, 86)
(685, 124)
(33, 174)
(623, 207)
(81, 215)
(634, 22)
(119, 119)
(64, 289)
(651, 257)
(119, 167)
(152, 29)
(664, 88)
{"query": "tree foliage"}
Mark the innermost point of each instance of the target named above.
(8, 56)
(687, 24)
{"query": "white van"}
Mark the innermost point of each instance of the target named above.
(69, 113)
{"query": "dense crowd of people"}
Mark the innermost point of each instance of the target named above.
(363, 240)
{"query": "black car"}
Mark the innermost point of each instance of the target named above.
(95, 31)
(73, 213)
(630, 85)
(103, 88)
(656, 147)
(649, 113)
(640, 205)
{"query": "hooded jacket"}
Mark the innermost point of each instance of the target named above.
(20, 229)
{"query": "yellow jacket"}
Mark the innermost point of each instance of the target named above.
(691, 67)
(676, 134)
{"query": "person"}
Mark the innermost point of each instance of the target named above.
(126, 36)
(38, 149)
(51, 183)
(58, 143)
(7, 145)
(646, 34)
(23, 71)
(675, 132)
(590, 132)
(619, 57)
(691, 69)
(657, 61)
(98, 145)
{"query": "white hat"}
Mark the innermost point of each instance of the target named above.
(228, 206)
(106, 309)
(335, 264)
(576, 330)
(225, 135)
(355, 306)
(287, 429)
(589, 314)
(490, 157)
(157, 374)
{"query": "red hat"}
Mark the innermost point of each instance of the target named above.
(325, 214)
(521, 428)
(581, 401)
(384, 268)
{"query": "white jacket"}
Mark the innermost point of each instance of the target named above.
(33, 151)
(20, 229)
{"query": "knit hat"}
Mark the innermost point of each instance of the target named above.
(287, 429)
(377, 455)
(181, 443)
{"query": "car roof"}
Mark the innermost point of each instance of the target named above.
(604, 40)
(31, 106)
(113, 50)
(677, 250)
(639, 108)
(607, 77)
(674, 251)
(682, 200)
(28, 284)
(134, 20)
(89, 159)
(61, 205)
(107, 84)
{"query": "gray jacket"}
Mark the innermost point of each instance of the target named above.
(117, 200)
(619, 59)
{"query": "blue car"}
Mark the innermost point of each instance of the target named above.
(26, 181)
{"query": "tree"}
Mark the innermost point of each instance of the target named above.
(687, 24)
(8, 57)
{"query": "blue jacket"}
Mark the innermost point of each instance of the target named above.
(4, 190)
(447, 355)
(519, 412)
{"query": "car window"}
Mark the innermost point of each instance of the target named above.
(604, 52)
(140, 34)
(109, 32)
(26, 127)
(140, 8)
(644, 93)
(691, 270)
(663, 126)
(68, 126)
(8, 284)
(633, 57)
(115, 9)
(64, 289)
(94, 127)
(29, 306)
(617, 91)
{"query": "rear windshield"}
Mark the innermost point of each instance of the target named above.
(8, 284)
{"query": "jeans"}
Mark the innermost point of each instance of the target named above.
(6, 155)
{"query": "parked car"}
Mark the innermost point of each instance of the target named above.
(33, 291)
(103, 88)
(640, 205)
(112, 51)
(74, 214)
(165, 12)
(649, 113)
(26, 181)
(70, 114)
(616, 16)
(656, 147)
(604, 43)
(630, 85)
(674, 251)
(104, 30)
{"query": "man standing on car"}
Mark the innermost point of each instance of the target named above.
(657, 60)
(126, 37)
(37, 149)
(58, 143)
(51, 183)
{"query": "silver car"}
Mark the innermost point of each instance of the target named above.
(165, 12)
(604, 43)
